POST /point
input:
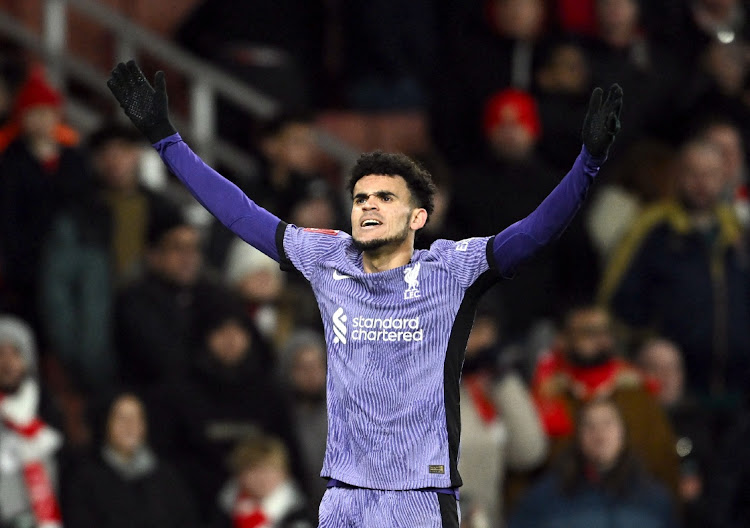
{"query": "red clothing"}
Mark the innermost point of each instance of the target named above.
(556, 377)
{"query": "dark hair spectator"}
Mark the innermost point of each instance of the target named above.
(587, 365)
(697, 429)
(225, 393)
(93, 246)
(156, 313)
(124, 483)
(680, 271)
(597, 481)
(302, 371)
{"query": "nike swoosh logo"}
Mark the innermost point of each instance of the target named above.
(339, 276)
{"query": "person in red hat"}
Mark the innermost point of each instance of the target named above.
(39, 173)
(509, 168)
(511, 124)
(37, 98)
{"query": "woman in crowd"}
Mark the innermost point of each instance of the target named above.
(597, 482)
(125, 485)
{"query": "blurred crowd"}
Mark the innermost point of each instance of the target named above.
(157, 371)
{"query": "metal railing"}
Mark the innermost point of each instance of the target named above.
(205, 81)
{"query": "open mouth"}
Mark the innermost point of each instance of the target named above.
(370, 223)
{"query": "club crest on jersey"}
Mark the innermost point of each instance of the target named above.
(411, 276)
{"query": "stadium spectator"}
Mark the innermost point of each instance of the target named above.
(11, 111)
(561, 83)
(155, 313)
(91, 248)
(510, 168)
(688, 28)
(29, 448)
(719, 84)
(585, 366)
(598, 482)
(290, 169)
(303, 374)
(500, 425)
(726, 134)
(40, 175)
(226, 394)
(498, 54)
(695, 427)
(681, 272)
(260, 283)
(124, 484)
(621, 50)
(261, 492)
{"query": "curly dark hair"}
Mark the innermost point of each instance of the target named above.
(418, 180)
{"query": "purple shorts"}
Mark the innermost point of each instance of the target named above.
(350, 507)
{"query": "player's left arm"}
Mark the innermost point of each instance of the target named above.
(521, 240)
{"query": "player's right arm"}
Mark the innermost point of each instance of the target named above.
(147, 108)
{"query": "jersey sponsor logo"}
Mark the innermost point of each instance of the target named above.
(411, 276)
(339, 276)
(375, 328)
(339, 326)
(320, 231)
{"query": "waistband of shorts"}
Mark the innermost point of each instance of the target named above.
(335, 483)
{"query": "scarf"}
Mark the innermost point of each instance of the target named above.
(249, 512)
(141, 464)
(481, 398)
(31, 442)
(556, 377)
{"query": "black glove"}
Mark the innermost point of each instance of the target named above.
(602, 121)
(147, 108)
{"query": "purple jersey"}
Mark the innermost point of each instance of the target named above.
(396, 338)
(395, 347)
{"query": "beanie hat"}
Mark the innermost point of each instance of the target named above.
(18, 333)
(514, 106)
(243, 260)
(35, 91)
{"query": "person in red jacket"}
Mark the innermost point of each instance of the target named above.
(586, 366)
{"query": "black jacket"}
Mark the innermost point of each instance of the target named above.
(95, 495)
(153, 328)
(197, 420)
(691, 287)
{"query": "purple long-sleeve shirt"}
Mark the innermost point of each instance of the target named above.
(396, 338)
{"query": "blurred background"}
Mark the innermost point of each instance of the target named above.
(157, 371)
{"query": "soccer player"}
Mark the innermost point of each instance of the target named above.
(396, 319)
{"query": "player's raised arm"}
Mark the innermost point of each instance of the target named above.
(147, 108)
(522, 239)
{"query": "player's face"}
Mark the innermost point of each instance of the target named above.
(383, 213)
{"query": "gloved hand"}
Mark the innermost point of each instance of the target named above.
(602, 121)
(145, 106)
